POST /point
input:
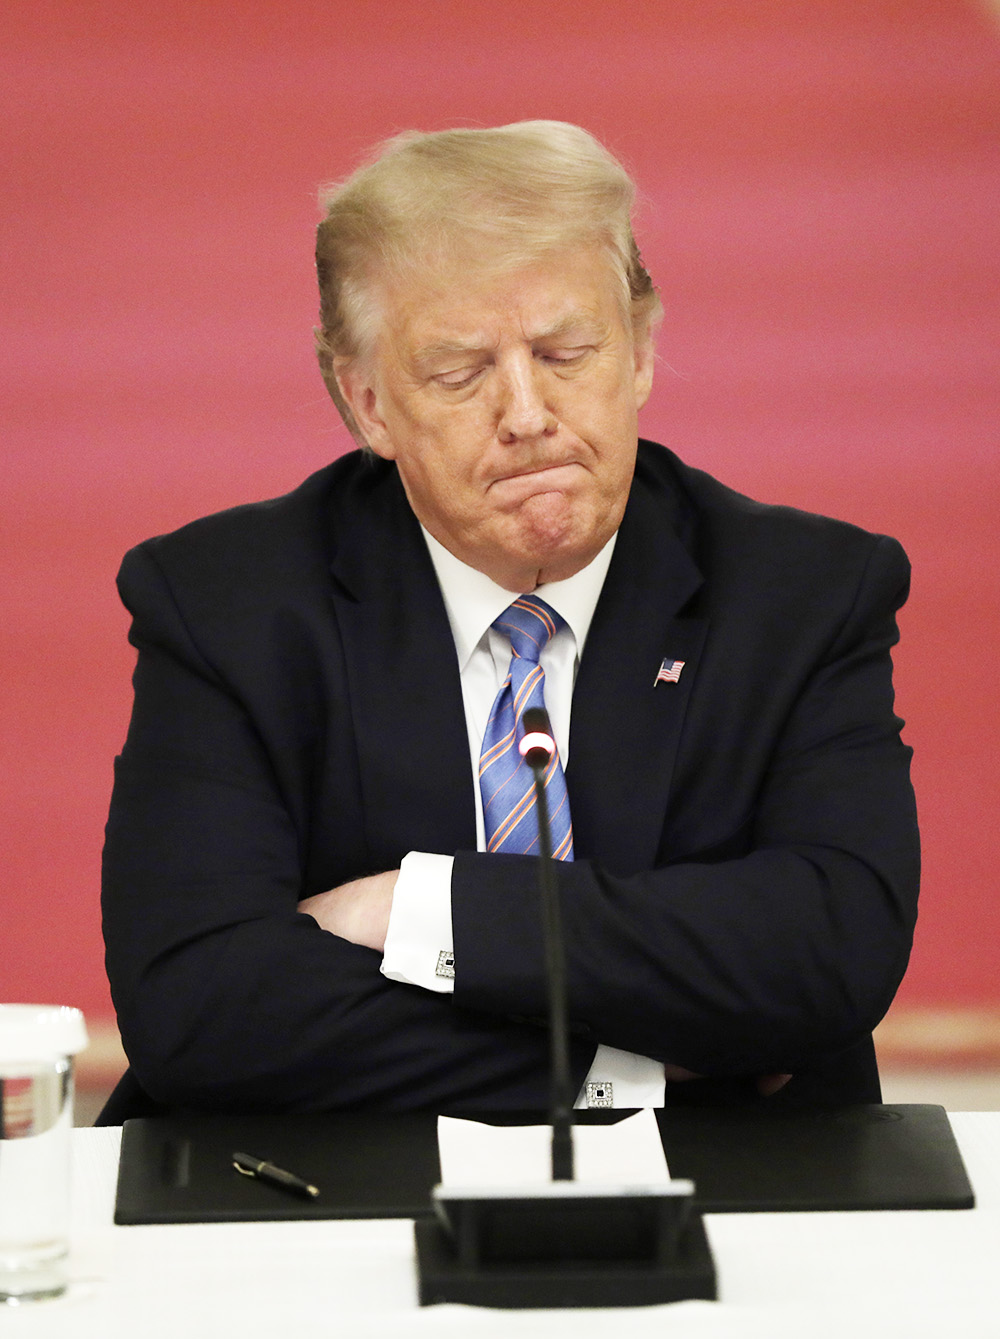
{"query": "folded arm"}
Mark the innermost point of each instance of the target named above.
(227, 995)
(720, 960)
(756, 951)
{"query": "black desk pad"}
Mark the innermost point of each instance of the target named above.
(858, 1157)
(178, 1168)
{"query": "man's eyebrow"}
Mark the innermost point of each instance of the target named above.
(582, 323)
(448, 348)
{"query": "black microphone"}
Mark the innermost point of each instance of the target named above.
(565, 1242)
(537, 748)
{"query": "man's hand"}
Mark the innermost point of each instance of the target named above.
(767, 1084)
(356, 911)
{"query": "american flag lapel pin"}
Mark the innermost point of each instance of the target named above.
(669, 672)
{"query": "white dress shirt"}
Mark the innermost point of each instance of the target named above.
(420, 922)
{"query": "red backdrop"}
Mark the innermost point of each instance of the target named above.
(821, 182)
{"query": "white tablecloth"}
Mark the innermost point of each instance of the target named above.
(809, 1276)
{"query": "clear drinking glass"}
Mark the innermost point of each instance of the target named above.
(37, 1045)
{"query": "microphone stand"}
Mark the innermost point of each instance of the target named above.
(564, 1243)
(537, 748)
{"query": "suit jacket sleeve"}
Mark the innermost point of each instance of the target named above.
(772, 922)
(237, 794)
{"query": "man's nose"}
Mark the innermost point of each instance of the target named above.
(524, 411)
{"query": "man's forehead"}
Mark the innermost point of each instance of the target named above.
(435, 315)
(578, 323)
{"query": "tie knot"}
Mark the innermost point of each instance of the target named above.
(529, 623)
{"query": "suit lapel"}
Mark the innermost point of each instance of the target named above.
(405, 691)
(625, 732)
(406, 696)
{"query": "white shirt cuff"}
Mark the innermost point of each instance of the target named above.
(620, 1079)
(418, 952)
(418, 943)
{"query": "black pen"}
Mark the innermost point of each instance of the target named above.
(274, 1176)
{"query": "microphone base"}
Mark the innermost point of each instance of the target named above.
(579, 1247)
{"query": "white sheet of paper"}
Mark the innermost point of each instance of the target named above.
(473, 1154)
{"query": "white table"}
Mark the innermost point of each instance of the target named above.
(809, 1276)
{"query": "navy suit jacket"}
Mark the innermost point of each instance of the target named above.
(744, 892)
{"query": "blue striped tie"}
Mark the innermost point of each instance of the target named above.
(506, 780)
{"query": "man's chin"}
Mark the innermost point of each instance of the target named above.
(551, 541)
(549, 520)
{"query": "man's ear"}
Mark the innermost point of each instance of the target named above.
(357, 386)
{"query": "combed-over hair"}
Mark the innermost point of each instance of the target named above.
(508, 195)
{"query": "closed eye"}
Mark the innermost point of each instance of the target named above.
(457, 378)
(564, 357)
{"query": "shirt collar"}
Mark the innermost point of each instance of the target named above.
(472, 600)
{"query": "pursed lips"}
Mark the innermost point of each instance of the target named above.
(543, 477)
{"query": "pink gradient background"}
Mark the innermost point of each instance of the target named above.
(822, 182)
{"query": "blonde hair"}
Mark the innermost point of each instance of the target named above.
(514, 192)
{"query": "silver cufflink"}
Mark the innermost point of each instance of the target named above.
(446, 963)
(600, 1095)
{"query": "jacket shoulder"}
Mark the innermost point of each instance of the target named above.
(239, 552)
(730, 533)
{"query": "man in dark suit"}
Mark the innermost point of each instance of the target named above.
(309, 903)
